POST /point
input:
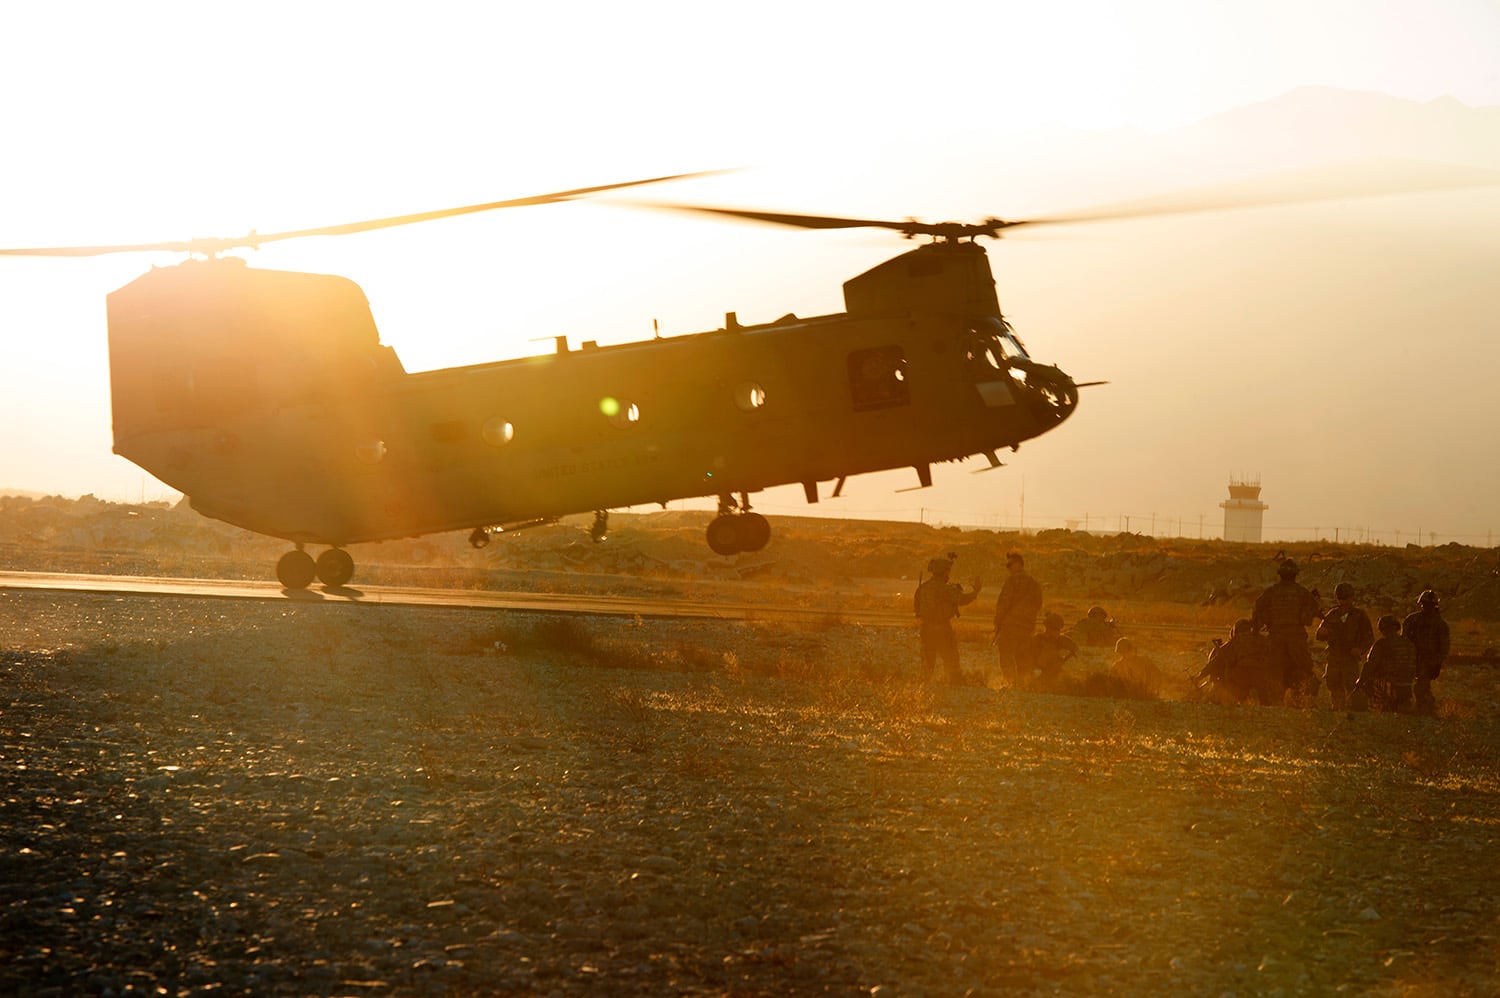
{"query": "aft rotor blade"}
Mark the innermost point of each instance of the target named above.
(349, 228)
(215, 245)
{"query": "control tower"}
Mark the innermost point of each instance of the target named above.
(1243, 511)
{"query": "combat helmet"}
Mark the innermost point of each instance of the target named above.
(1342, 590)
(939, 566)
(1287, 569)
(1428, 598)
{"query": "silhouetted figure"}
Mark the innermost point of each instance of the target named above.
(1132, 666)
(1019, 602)
(1390, 670)
(1241, 668)
(1428, 632)
(1050, 650)
(1284, 610)
(1097, 629)
(1347, 631)
(936, 602)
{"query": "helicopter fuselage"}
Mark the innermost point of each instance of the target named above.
(267, 399)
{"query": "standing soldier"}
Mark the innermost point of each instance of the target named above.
(937, 601)
(1346, 629)
(1016, 608)
(1285, 610)
(1429, 632)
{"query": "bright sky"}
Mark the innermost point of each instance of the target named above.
(151, 121)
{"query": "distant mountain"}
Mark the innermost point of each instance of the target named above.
(1324, 123)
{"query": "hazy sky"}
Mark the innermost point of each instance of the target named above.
(151, 121)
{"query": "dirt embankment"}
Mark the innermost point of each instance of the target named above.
(88, 535)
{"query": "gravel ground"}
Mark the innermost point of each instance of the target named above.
(267, 798)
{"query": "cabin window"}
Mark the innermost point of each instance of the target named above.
(877, 378)
(620, 412)
(497, 432)
(749, 396)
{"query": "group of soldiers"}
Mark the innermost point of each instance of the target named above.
(1021, 651)
(1266, 658)
(1393, 671)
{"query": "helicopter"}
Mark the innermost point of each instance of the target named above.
(267, 398)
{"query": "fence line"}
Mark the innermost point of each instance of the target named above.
(1202, 526)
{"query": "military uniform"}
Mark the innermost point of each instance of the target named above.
(1016, 608)
(1050, 649)
(1389, 672)
(1241, 669)
(1347, 631)
(1284, 610)
(1096, 629)
(936, 602)
(1428, 632)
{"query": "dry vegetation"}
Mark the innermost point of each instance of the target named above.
(296, 798)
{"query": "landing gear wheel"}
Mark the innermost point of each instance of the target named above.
(725, 535)
(296, 569)
(335, 567)
(755, 532)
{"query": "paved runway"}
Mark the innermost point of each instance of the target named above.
(626, 606)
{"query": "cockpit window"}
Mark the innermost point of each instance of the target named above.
(992, 346)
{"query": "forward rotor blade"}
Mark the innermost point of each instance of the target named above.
(1374, 178)
(907, 227)
(1342, 182)
(787, 218)
(215, 245)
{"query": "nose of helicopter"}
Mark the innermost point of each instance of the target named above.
(1051, 395)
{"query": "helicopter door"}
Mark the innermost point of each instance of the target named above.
(877, 378)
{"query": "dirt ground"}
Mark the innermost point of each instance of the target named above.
(270, 799)
(290, 798)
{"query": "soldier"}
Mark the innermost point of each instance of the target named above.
(1347, 631)
(1132, 666)
(1240, 669)
(1096, 628)
(937, 601)
(1050, 649)
(1428, 631)
(1016, 608)
(1390, 669)
(1284, 610)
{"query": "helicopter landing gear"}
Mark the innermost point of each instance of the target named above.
(296, 569)
(335, 567)
(600, 530)
(736, 529)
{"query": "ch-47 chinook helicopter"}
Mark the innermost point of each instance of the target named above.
(267, 398)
